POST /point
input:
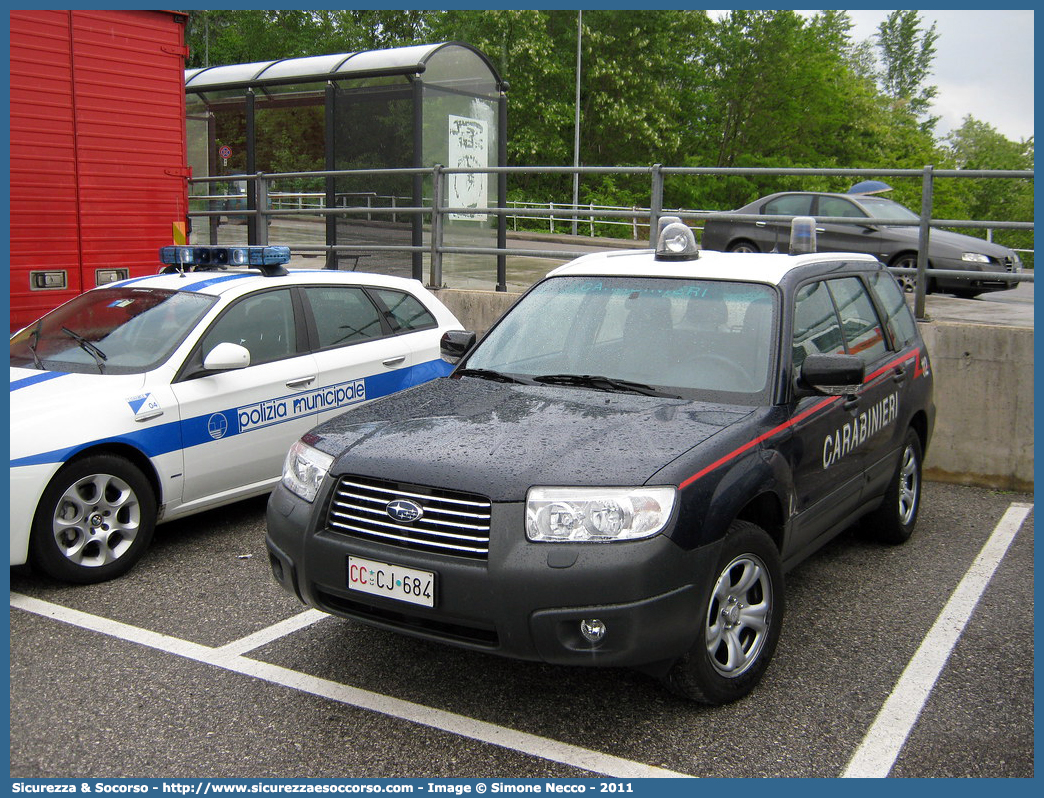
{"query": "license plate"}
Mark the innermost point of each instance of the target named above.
(391, 581)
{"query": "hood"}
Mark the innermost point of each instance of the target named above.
(499, 439)
(956, 242)
(50, 409)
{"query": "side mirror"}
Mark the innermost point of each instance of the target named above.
(455, 344)
(833, 375)
(227, 356)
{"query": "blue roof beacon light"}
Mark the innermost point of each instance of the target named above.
(269, 259)
(675, 241)
(802, 235)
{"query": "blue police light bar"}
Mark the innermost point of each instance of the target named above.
(268, 258)
(259, 256)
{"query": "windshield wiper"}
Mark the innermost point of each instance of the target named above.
(495, 376)
(34, 341)
(99, 356)
(603, 384)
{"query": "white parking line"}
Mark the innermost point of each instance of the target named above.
(229, 658)
(888, 734)
(274, 632)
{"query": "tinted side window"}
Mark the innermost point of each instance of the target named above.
(790, 205)
(343, 315)
(816, 326)
(859, 322)
(900, 321)
(405, 310)
(263, 323)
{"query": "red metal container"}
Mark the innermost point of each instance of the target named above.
(98, 154)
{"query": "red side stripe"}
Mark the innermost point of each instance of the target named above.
(800, 417)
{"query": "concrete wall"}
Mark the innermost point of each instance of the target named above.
(983, 393)
(984, 402)
(477, 310)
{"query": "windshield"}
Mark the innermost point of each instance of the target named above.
(687, 338)
(881, 208)
(123, 330)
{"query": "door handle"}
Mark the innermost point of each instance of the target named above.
(761, 224)
(394, 361)
(300, 382)
(850, 403)
(900, 375)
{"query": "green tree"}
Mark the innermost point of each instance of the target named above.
(782, 90)
(752, 88)
(248, 36)
(907, 53)
(977, 145)
(634, 116)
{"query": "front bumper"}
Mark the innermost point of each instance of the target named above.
(980, 276)
(526, 601)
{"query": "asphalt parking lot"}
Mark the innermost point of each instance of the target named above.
(197, 665)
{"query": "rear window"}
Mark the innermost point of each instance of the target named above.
(405, 311)
(899, 320)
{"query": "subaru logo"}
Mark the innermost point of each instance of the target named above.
(404, 511)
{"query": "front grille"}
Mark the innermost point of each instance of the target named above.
(1009, 264)
(451, 523)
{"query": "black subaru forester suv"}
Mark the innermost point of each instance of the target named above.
(620, 472)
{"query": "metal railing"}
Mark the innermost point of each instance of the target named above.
(569, 211)
(262, 203)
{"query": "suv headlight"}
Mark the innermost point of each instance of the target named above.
(597, 514)
(304, 470)
(975, 257)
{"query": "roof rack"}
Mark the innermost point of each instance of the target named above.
(268, 260)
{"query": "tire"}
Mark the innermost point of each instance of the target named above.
(908, 282)
(743, 246)
(894, 521)
(94, 521)
(741, 616)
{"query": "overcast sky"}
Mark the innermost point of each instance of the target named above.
(983, 66)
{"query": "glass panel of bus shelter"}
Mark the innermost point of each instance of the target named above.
(216, 128)
(461, 131)
(291, 137)
(197, 136)
(373, 129)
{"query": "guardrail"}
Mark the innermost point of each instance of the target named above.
(261, 203)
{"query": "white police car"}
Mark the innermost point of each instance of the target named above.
(621, 471)
(157, 397)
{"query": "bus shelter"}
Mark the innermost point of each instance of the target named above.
(407, 107)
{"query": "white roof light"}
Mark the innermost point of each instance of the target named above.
(676, 240)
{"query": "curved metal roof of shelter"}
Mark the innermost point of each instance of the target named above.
(403, 61)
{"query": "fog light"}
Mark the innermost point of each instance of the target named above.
(593, 630)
